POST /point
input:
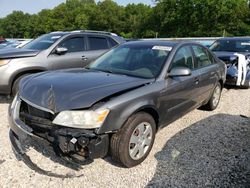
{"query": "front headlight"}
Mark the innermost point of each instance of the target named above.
(81, 119)
(4, 62)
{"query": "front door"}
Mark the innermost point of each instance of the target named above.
(179, 95)
(73, 58)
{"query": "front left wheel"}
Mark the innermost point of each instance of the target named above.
(131, 145)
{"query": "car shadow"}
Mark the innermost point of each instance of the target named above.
(214, 152)
(234, 87)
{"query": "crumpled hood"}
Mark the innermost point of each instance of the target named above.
(74, 88)
(17, 53)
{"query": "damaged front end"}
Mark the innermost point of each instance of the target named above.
(29, 120)
(238, 68)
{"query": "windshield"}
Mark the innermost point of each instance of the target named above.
(43, 42)
(131, 60)
(231, 46)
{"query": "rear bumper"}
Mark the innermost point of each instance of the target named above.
(74, 143)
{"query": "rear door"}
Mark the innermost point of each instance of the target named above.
(73, 58)
(96, 46)
(205, 63)
(180, 95)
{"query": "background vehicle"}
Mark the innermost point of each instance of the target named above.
(23, 42)
(56, 50)
(5, 44)
(225, 49)
(14, 43)
(119, 101)
(2, 40)
(205, 42)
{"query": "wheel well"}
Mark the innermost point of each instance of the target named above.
(23, 73)
(221, 83)
(153, 113)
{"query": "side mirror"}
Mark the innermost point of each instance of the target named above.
(61, 50)
(180, 71)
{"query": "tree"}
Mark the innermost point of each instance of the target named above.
(137, 22)
(14, 25)
(178, 18)
(168, 18)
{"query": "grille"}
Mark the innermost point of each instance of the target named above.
(40, 121)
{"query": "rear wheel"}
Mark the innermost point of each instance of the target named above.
(132, 144)
(215, 98)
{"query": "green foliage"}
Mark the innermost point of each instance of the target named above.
(168, 18)
(179, 18)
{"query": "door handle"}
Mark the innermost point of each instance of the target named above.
(84, 58)
(196, 80)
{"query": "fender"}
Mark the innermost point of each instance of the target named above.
(124, 114)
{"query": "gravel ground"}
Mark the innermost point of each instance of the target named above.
(202, 149)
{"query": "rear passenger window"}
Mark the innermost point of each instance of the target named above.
(202, 57)
(75, 44)
(98, 43)
(112, 42)
(183, 58)
(211, 57)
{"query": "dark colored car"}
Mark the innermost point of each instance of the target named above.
(226, 49)
(56, 50)
(118, 102)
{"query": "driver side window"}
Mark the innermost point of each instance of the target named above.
(183, 58)
(75, 44)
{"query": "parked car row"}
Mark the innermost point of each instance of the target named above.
(116, 103)
(13, 43)
(56, 50)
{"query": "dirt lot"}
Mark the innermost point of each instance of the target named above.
(202, 149)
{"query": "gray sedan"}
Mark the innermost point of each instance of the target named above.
(118, 102)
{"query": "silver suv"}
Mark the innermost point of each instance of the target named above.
(56, 50)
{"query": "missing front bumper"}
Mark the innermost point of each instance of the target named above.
(72, 143)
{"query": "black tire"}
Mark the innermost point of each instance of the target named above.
(212, 105)
(120, 145)
(15, 86)
(246, 85)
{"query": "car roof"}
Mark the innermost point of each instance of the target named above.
(89, 32)
(234, 38)
(84, 32)
(153, 42)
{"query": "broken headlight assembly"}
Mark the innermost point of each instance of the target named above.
(4, 62)
(86, 119)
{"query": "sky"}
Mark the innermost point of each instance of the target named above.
(34, 6)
